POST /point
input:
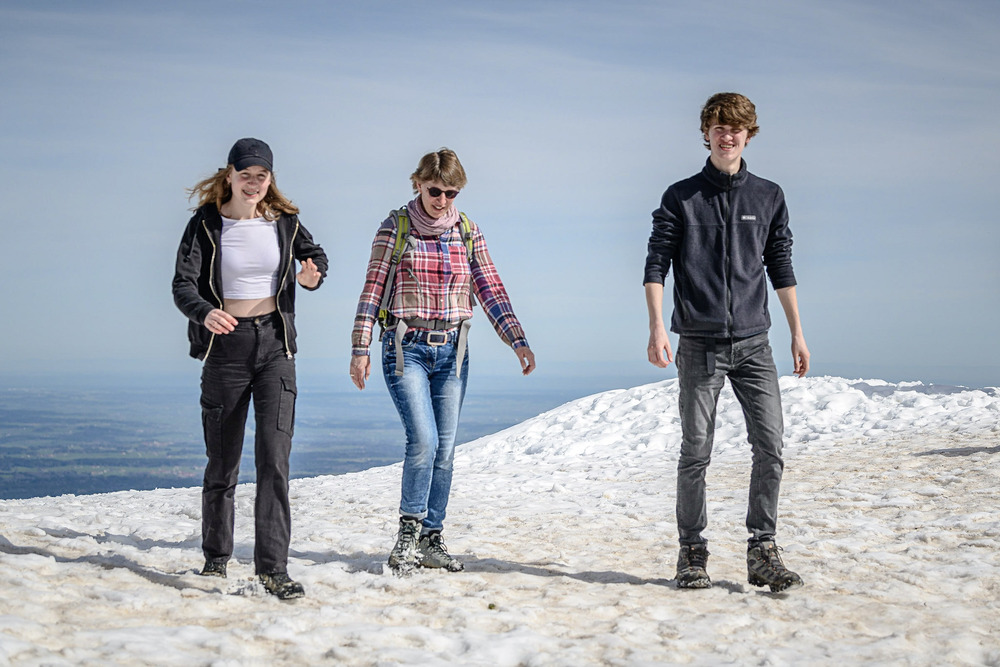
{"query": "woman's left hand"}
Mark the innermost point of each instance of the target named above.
(309, 276)
(527, 359)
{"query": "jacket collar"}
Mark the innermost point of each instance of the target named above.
(211, 216)
(723, 180)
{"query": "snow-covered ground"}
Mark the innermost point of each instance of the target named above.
(889, 511)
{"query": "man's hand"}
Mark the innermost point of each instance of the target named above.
(658, 351)
(800, 355)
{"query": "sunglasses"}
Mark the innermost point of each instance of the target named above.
(437, 192)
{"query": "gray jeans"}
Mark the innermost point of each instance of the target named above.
(703, 364)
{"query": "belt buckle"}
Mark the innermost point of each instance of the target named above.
(437, 338)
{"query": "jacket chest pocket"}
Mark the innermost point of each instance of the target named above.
(751, 231)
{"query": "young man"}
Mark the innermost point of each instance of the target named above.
(723, 229)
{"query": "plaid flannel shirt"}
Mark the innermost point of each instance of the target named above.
(432, 283)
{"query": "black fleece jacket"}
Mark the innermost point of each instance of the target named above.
(721, 232)
(197, 281)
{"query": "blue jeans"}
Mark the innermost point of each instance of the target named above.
(703, 365)
(429, 399)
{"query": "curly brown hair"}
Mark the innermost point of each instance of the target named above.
(730, 109)
(216, 190)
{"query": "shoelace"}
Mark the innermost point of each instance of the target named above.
(436, 544)
(406, 542)
(697, 558)
(772, 559)
(408, 529)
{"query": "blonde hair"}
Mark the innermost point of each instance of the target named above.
(442, 166)
(216, 190)
(730, 109)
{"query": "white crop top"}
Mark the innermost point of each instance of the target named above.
(251, 258)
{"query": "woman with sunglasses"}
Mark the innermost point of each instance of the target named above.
(427, 296)
(235, 281)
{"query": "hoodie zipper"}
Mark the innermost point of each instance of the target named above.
(211, 281)
(281, 285)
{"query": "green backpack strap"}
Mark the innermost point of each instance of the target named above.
(385, 318)
(466, 227)
(402, 234)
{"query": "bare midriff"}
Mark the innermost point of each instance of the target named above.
(251, 307)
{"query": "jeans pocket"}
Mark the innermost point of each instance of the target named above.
(388, 353)
(409, 342)
(211, 424)
(286, 407)
(389, 349)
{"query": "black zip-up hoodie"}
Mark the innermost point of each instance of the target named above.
(721, 232)
(197, 281)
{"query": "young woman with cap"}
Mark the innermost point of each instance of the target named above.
(428, 296)
(235, 281)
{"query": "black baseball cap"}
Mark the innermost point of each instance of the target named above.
(248, 152)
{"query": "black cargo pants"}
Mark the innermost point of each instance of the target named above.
(249, 362)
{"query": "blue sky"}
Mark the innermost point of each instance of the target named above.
(571, 118)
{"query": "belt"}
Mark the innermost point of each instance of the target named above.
(433, 338)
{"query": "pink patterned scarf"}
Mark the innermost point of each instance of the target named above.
(425, 224)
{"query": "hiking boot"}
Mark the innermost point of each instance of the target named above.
(691, 564)
(764, 568)
(280, 585)
(433, 553)
(403, 558)
(214, 568)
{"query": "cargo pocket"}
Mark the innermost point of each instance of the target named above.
(286, 407)
(211, 424)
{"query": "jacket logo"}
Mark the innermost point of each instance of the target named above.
(748, 218)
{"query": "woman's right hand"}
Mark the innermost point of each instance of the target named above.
(527, 359)
(220, 322)
(361, 369)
